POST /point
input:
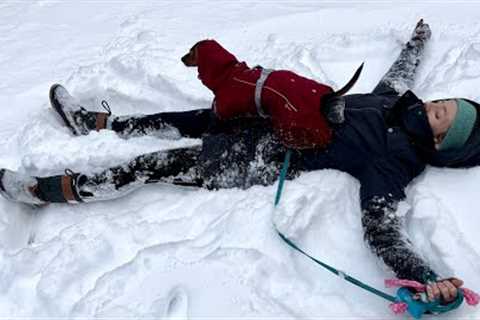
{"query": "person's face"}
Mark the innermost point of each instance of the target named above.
(440, 114)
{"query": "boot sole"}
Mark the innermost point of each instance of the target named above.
(58, 107)
(2, 172)
(3, 192)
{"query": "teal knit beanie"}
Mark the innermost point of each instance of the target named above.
(462, 126)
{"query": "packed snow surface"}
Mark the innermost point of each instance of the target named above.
(168, 252)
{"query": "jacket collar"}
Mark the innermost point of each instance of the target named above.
(409, 113)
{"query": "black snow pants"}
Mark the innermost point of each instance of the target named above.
(236, 153)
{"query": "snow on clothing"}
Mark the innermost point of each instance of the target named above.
(292, 101)
(234, 153)
(383, 142)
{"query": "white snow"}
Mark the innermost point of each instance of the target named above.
(168, 252)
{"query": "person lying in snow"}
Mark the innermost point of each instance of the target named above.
(385, 141)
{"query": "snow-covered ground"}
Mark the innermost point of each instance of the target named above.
(168, 252)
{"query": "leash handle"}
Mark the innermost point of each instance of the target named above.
(417, 308)
(408, 288)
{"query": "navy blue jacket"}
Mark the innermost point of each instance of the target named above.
(379, 154)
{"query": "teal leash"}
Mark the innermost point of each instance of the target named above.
(283, 176)
(416, 308)
(281, 182)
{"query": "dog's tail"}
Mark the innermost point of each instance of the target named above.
(349, 84)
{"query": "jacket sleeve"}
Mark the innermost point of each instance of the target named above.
(384, 228)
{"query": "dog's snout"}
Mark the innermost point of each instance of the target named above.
(190, 59)
(185, 59)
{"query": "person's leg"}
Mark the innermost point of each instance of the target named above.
(234, 160)
(401, 75)
(170, 125)
(177, 166)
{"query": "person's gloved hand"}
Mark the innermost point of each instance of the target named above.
(446, 289)
(421, 32)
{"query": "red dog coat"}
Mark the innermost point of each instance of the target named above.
(291, 101)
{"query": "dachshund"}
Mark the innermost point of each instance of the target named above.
(299, 108)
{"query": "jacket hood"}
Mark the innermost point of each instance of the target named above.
(214, 63)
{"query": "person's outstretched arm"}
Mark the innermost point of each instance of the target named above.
(384, 233)
(401, 75)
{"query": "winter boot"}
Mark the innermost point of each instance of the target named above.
(78, 119)
(39, 191)
(19, 188)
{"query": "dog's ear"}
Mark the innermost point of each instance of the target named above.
(190, 59)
